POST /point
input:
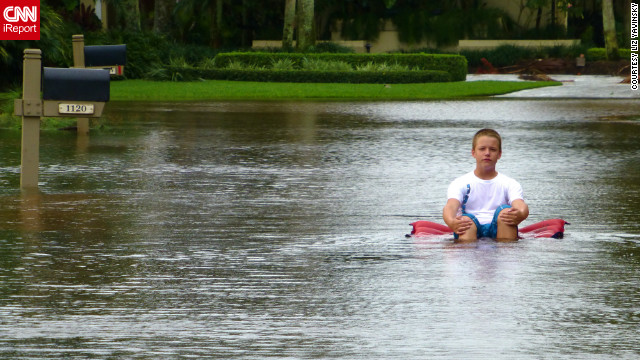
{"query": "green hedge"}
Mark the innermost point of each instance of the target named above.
(599, 54)
(455, 65)
(309, 76)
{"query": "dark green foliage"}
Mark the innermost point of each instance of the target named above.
(55, 44)
(309, 76)
(331, 47)
(319, 47)
(501, 56)
(147, 52)
(445, 26)
(507, 55)
(600, 54)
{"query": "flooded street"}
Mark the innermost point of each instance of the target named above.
(252, 230)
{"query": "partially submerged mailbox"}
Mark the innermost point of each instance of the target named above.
(68, 92)
(75, 92)
(110, 57)
(72, 92)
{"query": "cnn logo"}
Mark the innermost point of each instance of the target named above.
(20, 20)
(15, 14)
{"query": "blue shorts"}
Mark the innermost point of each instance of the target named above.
(489, 230)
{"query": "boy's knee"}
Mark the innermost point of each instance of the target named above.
(471, 233)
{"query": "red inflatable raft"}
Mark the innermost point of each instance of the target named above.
(553, 228)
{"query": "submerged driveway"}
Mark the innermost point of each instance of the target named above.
(573, 87)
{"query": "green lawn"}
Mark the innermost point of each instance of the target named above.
(143, 90)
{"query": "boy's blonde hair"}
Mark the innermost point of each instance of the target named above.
(487, 132)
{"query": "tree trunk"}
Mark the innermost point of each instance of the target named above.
(609, 28)
(215, 11)
(306, 36)
(246, 35)
(289, 24)
(131, 15)
(162, 16)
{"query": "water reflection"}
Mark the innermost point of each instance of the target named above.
(250, 230)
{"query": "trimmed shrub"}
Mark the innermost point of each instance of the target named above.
(331, 47)
(504, 55)
(311, 76)
(322, 65)
(455, 65)
(282, 64)
(600, 54)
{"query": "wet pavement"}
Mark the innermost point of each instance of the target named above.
(573, 87)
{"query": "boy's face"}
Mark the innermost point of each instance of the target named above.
(487, 151)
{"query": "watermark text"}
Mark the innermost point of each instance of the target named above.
(634, 47)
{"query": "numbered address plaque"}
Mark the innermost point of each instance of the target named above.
(76, 109)
(71, 108)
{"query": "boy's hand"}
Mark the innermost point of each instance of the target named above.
(461, 224)
(511, 216)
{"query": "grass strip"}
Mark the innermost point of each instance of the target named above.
(144, 90)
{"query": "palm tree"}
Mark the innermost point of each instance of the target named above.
(306, 35)
(190, 14)
(299, 15)
(609, 28)
(162, 16)
(127, 14)
(216, 23)
(289, 24)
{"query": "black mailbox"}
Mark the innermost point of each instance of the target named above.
(105, 55)
(76, 84)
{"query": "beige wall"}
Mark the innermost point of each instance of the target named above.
(387, 40)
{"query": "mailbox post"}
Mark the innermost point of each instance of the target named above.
(31, 111)
(66, 92)
(82, 124)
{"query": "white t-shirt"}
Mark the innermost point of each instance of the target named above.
(485, 196)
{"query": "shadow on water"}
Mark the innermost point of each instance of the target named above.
(250, 230)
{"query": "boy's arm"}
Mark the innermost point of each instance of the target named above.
(458, 224)
(516, 214)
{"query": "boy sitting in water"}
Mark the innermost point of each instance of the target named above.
(483, 202)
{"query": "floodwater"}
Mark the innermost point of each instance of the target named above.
(277, 230)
